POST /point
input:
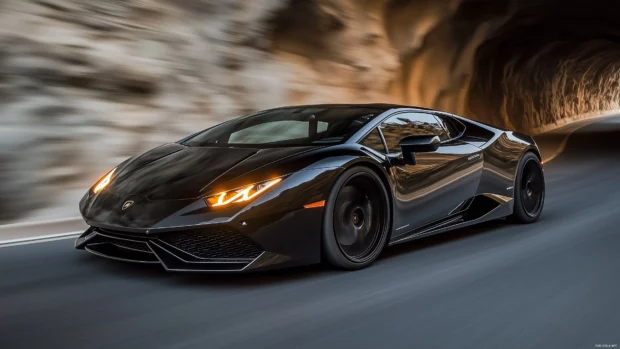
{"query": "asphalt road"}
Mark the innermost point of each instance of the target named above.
(552, 284)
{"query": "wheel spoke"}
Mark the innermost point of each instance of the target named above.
(530, 177)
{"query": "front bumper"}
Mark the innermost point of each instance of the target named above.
(290, 241)
(173, 257)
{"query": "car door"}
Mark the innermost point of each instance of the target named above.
(439, 183)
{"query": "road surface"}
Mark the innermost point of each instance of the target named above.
(552, 284)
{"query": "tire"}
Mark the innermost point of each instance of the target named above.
(529, 194)
(356, 219)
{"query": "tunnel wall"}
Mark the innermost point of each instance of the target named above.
(85, 84)
(548, 61)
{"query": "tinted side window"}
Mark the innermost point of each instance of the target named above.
(373, 140)
(454, 127)
(402, 125)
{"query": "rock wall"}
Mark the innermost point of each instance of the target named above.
(85, 84)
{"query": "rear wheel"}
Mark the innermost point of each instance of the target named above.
(357, 219)
(529, 191)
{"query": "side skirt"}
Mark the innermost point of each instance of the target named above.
(483, 208)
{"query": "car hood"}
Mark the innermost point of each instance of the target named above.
(174, 171)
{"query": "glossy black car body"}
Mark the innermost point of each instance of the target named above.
(154, 209)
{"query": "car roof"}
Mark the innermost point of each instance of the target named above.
(383, 106)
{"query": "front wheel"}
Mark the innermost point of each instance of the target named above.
(357, 219)
(529, 190)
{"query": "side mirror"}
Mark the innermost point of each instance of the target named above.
(417, 144)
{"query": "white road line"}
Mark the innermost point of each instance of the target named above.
(37, 223)
(39, 239)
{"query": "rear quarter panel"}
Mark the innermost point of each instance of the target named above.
(501, 160)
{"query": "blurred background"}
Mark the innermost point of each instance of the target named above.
(85, 84)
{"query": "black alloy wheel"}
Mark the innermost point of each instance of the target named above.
(532, 188)
(357, 219)
(529, 190)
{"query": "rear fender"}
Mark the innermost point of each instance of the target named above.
(501, 159)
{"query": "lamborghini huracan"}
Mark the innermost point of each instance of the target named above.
(308, 184)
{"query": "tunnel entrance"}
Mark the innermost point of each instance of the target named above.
(517, 64)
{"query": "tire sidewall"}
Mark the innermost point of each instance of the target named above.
(331, 249)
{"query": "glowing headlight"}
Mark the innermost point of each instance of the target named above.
(243, 194)
(103, 182)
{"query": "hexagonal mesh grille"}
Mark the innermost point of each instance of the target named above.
(214, 244)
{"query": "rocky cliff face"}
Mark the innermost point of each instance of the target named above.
(87, 83)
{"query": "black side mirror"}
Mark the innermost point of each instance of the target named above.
(417, 144)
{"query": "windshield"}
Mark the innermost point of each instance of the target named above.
(286, 127)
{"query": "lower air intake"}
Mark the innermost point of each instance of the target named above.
(213, 244)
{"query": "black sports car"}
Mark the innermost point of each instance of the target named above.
(304, 184)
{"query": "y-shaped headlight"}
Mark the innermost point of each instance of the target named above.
(103, 182)
(243, 194)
